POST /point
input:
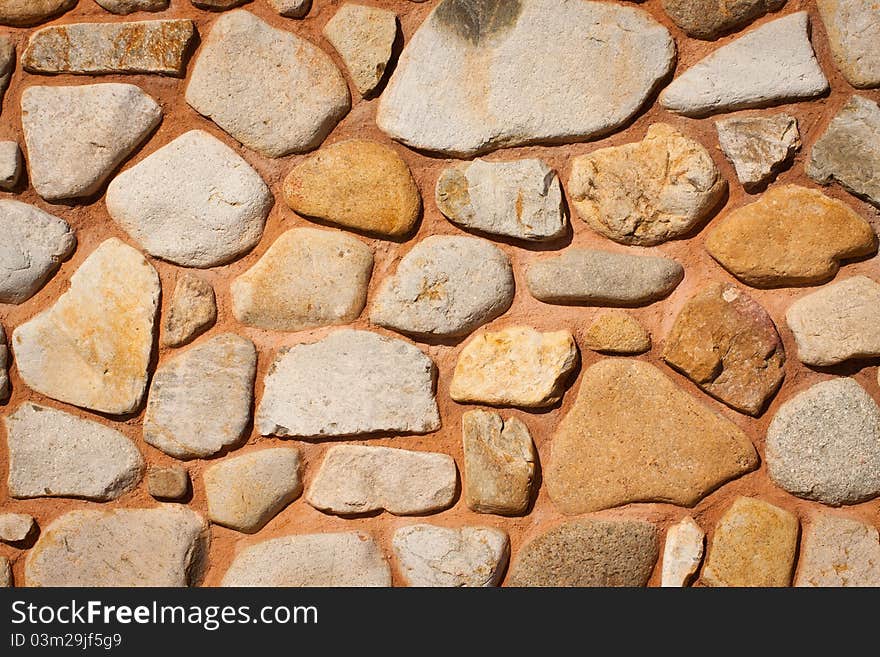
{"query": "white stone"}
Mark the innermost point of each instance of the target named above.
(15, 527)
(853, 29)
(364, 38)
(10, 165)
(839, 551)
(758, 145)
(683, 553)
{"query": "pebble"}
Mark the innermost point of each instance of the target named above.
(15, 527)
(23, 13)
(7, 62)
(709, 19)
(193, 310)
(217, 5)
(291, 8)
(364, 38)
(125, 7)
(758, 146)
(838, 551)
(853, 30)
(10, 165)
(682, 554)
(5, 387)
(168, 482)
(617, 333)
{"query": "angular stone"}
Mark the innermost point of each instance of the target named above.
(588, 553)
(647, 192)
(271, 90)
(55, 454)
(617, 333)
(7, 62)
(771, 64)
(5, 573)
(853, 29)
(516, 366)
(709, 19)
(5, 387)
(520, 199)
(307, 278)
(683, 553)
(634, 436)
(194, 202)
(34, 244)
(245, 492)
(130, 6)
(364, 38)
(163, 546)
(22, 13)
(357, 184)
(446, 286)
(15, 527)
(755, 544)
(500, 463)
(10, 165)
(602, 278)
(291, 8)
(168, 483)
(348, 384)
(182, 417)
(790, 236)
(839, 551)
(758, 146)
(92, 347)
(484, 74)
(193, 310)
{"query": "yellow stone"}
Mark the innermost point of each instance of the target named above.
(617, 333)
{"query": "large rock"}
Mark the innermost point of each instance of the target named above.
(348, 384)
(5, 387)
(758, 146)
(709, 19)
(482, 74)
(634, 436)
(193, 310)
(130, 6)
(22, 13)
(92, 347)
(853, 29)
(839, 551)
(683, 553)
(616, 332)
(7, 63)
(364, 38)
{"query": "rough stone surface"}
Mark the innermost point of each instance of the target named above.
(10, 165)
(617, 333)
(5, 573)
(77, 136)
(193, 310)
(291, 8)
(92, 347)
(7, 63)
(444, 557)
(163, 546)
(445, 286)
(168, 482)
(307, 278)
(520, 199)
(758, 146)
(355, 479)
(15, 527)
(588, 553)
(21, 13)
(634, 436)
(517, 366)
(709, 19)
(364, 38)
(194, 202)
(647, 192)
(755, 544)
(490, 73)
(349, 383)
(771, 64)
(839, 551)
(125, 7)
(245, 492)
(5, 387)
(683, 553)
(853, 29)
(294, 94)
(790, 236)
(182, 417)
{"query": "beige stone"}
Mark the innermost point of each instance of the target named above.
(853, 29)
(5, 573)
(21, 13)
(168, 482)
(364, 38)
(11, 165)
(838, 551)
(7, 63)
(617, 333)
(709, 19)
(291, 8)
(130, 6)
(193, 310)
(5, 387)
(683, 553)
(15, 527)
(758, 146)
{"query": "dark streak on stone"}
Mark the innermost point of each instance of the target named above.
(477, 21)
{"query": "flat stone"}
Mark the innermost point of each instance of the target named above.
(648, 192)
(350, 383)
(446, 286)
(602, 278)
(432, 556)
(588, 553)
(168, 482)
(683, 553)
(307, 278)
(5, 573)
(755, 544)
(217, 5)
(838, 322)
(162, 546)
(10, 165)
(7, 62)
(245, 492)
(484, 74)
(771, 64)
(5, 387)
(364, 38)
(92, 347)
(194, 202)
(355, 479)
(758, 146)
(271, 90)
(839, 551)
(187, 391)
(22, 13)
(15, 527)
(520, 199)
(130, 6)
(193, 310)
(617, 333)
(500, 463)
(853, 30)
(72, 153)
(709, 19)
(726, 343)
(291, 8)
(34, 244)
(358, 184)
(790, 236)
(55, 454)
(634, 436)
(516, 366)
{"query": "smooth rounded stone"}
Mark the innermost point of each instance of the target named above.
(758, 146)
(5, 387)
(648, 192)
(125, 7)
(838, 551)
(77, 136)
(245, 492)
(15, 527)
(270, 89)
(23, 13)
(682, 554)
(10, 165)
(364, 38)
(162, 546)
(771, 64)
(194, 202)
(634, 436)
(602, 278)
(187, 391)
(431, 556)
(755, 544)
(7, 62)
(446, 286)
(168, 482)
(853, 30)
(709, 19)
(291, 8)
(348, 384)
(617, 333)
(589, 552)
(485, 74)
(358, 184)
(790, 236)
(838, 322)
(193, 310)
(5, 573)
(92, 347)
(307, 278)
(33, 246)
(520, 199)
(516, 366)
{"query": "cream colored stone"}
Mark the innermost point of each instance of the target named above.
(617, 333)
(364, 38)
(758, 146)
(839, 551)
(5, 573)
(853, 29)
(193, 310)
(21, 13)
(16, 527)
(683, 553)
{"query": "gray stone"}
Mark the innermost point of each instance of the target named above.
(364, 38)
(168, 482)
(683, 553)
(5, 573)
(193, 310)
(758, 146)
(291, 8)
(22, 13)
(5, 387)
(15, 527)
(838, 551)
(853, 29)
(709, 19)
(7, 62)
(10, 165)
(131, 6)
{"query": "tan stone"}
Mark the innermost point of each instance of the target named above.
(16, 527)
(617, 333)
(839, 551)
(21, 13)
(5, 573)
(168, 483)
(708, 19)
(193, 310)
(364, 38)
(683, 553)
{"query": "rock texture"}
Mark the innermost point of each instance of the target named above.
(193, 310)
(291, 8)
(16, 527)
(853, 29)
(125, 7)
(168, 482)
(7, 62)
(21, 13)
(758, 146)
(364, 38)
(683, 553)
(10, 165)
(5, 387)
(709, 19)
(839, 551)
(5, 573)
(617, 333)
